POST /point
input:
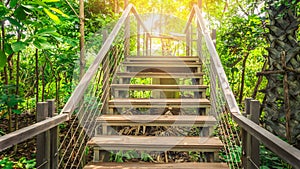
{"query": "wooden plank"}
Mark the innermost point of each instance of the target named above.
(125, 87)
(157, 120)
(156, 103)
(144, 165)
(164, 59)
(159, 75)
(162, 64)
(25, 133)
(156, 143)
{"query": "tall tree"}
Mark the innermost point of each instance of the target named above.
(282, 102)
(82, 58)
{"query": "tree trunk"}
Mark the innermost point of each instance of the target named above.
(82, 58)
(243, 78)
(37, 75)
(282, 92)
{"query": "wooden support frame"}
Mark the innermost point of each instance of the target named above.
(250, 146)
(43, 139)
(54, 139)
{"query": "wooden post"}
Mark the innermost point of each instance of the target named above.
(199, 42)
(188, 39)
(200, 4)
(127, 33)
(245, 138)
(147, 45)
(53, 136)
(214, 36)
(250, 146)
(254, 116)
(43, 140)
(138, 39)
(106, 74)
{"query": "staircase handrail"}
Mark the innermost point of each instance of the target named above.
(84, 82)
(284, 150)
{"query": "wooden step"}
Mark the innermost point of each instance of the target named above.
(162, 59)
(159, 75)
(142, 87)
(162, 64)
(157, 120)
(159, 103)
(162, 67)
(205, 122)
(145, 165)
(156, 143)
(119, 89)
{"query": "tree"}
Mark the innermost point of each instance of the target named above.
(282, 100)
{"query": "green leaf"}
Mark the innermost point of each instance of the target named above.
(41, 44)
(3, 11)
(3, 59)
(8, 49)
(59, 12)
(13, 3)
(52, 16)
(20, 13)
(38, 2)
(47, 31)
(18, 46)
(50, 1)
(14, 22)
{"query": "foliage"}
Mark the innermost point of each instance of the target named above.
(121, 156)
(233, 155)
(8, 101)
(241, 45)
(22, 163)
(270, 160)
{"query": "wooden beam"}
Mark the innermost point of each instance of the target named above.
(284, 150)
(25, 133)
(54, 139)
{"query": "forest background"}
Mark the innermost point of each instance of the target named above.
(40, 47)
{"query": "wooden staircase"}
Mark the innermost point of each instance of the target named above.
(176, 98)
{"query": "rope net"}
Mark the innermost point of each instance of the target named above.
(73, 149)
(227, 130)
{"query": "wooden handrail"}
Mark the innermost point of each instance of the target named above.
(284, 150)
(84, 82)
(25, 133)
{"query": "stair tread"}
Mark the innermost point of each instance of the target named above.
(145, 165)
(141, 102)
(155, 120)
(159, 59)
(159, 75)
(162, 64)
(170, 143)
(159, 56)
(153, 86)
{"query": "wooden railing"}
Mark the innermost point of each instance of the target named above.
(105, 64)
(252, 132)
